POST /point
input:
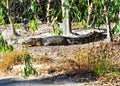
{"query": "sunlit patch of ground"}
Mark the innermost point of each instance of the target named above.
(76, 62)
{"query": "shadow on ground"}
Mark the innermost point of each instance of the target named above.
(61, 79)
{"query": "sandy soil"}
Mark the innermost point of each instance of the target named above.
(50, 57)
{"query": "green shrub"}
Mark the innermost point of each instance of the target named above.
(56, 30)
(4, 47)
(33, 24)
(28, 68)
(102, 67)
(116, 29)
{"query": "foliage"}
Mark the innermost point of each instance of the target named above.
(2, 12)
(25, 11)
(117, 73)
(21, 11)
(116, 29)
(16, 26)
(55, 13)
(32, 10)
(73, 9)
(2, 21)
(4, 47)
(56, 29)
(55, 22)
(33, 24)
(99, 59)
(81, 24)
(28, 69)
(102, 66)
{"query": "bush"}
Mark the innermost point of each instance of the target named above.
(28, 69)
(4, 47)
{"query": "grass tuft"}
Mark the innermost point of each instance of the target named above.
(10, 59)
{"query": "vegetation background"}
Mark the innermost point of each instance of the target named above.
(102, 60)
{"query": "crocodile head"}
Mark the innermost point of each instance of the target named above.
(33, 42)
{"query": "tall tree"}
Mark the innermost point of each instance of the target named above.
(6, 7)
(66, 19)
(109, 31)
(90, 9)
(47, 11)
(119, 9)
(10, 17)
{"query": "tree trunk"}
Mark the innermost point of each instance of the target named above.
(14, 33)
(109, 31)
(12, 25)
(90, 9)
(109, 34)
(66, 21)
(47, 11)
(119, 15)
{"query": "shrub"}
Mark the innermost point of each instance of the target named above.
(99, 59)
(4, 45)
(28, 69)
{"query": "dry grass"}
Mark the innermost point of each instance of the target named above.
(10, 59)
(41, 60)
(80, 60)
(84, 59)
(102, 58)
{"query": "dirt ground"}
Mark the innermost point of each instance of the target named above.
(55, 64)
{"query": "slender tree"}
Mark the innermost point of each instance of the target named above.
(119, 9)
(107, 19)
(90, 9)
(10, 17)
(47, 11)
(66, 21)
(109, 34)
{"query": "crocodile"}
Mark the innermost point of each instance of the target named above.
(47, 41)
(62, 40)
(33, 42)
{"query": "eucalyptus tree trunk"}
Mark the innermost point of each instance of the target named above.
(90, 9)
(66, 21)
(14, 33)
(47, 11)
(119, 14)
(109, 31)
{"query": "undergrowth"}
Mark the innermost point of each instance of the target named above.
(11, 58)
(28, 68)
(99, 59)
(4, 46)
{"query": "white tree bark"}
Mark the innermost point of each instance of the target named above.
(109, 34)
(90, 9)
(119, 14)
(66, 21)
(47, 13)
